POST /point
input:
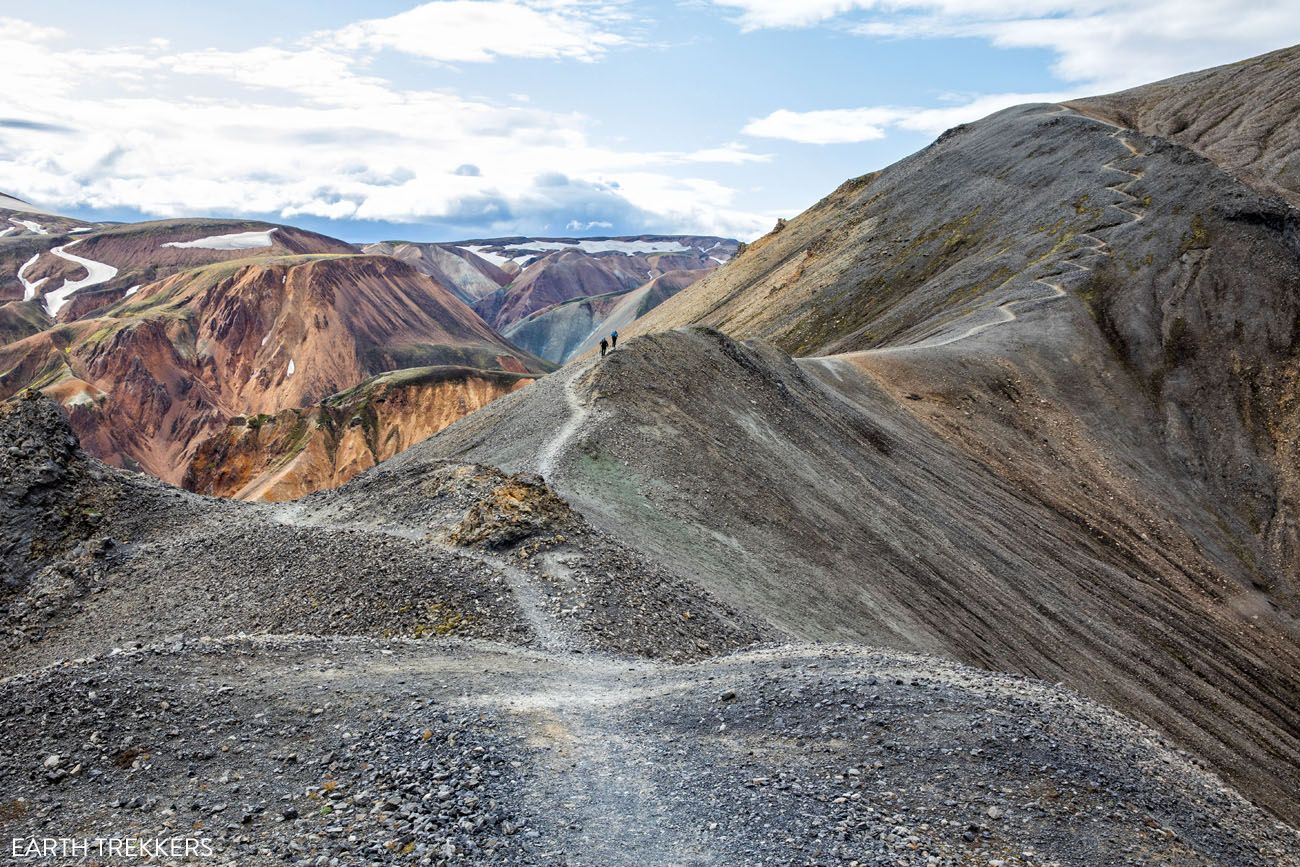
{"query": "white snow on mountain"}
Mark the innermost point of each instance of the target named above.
(612, 246)
(29, 225)
(234, 241)
(29, 289)
(96, 273)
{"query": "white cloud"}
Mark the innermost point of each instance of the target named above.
(310, 131)
(756, 14)
(732, 154)
(1104, 43)
(470, 31)
(849, 125)
(831, 126)
(1100, 46)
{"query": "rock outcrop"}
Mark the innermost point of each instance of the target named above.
(294, 452)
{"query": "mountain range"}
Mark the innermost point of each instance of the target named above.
(954, 521)
(260, 361)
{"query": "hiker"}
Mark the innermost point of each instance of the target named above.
(613, 340)
(604, 346)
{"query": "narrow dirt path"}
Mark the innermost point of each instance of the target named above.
(551, 634)
(554, 448)
(601, 795)
(599, 792)
(531, 599)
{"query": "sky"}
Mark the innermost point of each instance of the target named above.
(460, 119)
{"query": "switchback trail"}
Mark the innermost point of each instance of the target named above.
(1006, 311)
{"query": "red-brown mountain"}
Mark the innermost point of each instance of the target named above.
(148, 379)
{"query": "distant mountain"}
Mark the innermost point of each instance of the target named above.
(157, 336)
(532, 288)
(145, 332)
(568, 329)
(545, 273)
(471, 277)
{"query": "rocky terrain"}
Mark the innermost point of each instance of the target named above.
(355, 712)
(1048, 431)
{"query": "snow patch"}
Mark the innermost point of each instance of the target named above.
(235, 241)
(266, 338)
(527, 250)
(291, 368)
(485, 253)
(35, 228)
(4, 232)
(630, 247)
(96, 273)
(29, 289)
(83, 229)
(134, 289)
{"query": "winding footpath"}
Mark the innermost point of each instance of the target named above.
(601, 797)
(555, 447)
(1006, 311)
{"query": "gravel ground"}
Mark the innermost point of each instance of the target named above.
(614, 718)
(101, 559)
(357, 750)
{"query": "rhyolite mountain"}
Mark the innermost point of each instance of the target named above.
(536, 290)
(1025, 400)
(176, 352)
(159, 336)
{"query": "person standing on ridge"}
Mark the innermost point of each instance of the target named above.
(613, 340)
(604, 346)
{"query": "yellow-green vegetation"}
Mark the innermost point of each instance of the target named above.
(999, 277)
(924, 256)
(1083, 207)
(1197, 237)
(439, 619)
